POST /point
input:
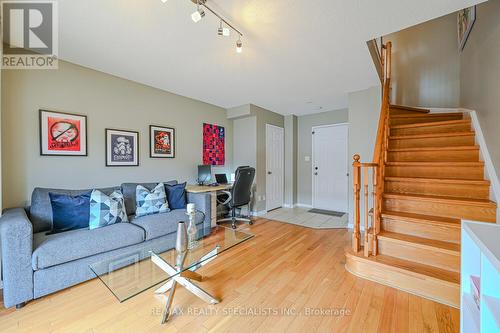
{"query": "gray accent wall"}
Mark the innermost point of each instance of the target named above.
(426, 64)
(480, 75)
(108, 102)
(304, 149)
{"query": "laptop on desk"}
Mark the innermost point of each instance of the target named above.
(221, 178)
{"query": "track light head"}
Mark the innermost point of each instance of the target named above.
(164, 1)
(198, 14)
(222, 31)
(239, 46)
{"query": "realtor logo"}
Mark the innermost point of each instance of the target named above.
(29, 30)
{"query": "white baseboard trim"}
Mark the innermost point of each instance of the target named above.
(444, 110)
(301, 205)
(491, 174)
(288, 206)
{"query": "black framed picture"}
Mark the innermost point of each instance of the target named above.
(62, 134)
(122, 147)
(465, 19)
(161, 142)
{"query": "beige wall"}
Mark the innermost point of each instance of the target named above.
(426, 64)
(108, 102)
(304, 146)
(480, 75)
(364, 111)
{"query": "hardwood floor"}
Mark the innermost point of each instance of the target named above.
(295, 271)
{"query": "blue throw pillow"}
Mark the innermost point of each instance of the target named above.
(68, 212)
(176, 196)
(151, 202)
(106, 209)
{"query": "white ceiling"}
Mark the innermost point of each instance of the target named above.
(298, 55)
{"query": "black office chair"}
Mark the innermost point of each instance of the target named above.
(240, 195)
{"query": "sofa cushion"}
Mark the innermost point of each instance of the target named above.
(55, 249)
(151, 202)
(41, 209)
(128, 190)
(69, 212)
(106, 209)
(163, 224)
(176, 196)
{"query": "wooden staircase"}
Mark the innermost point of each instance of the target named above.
(433, 179)
(426, 176)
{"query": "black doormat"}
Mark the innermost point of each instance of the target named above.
(326, 212)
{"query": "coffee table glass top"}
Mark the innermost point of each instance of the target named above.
(131, 273)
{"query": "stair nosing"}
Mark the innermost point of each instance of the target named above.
(445, 148)
(432, 123)
(408, 271)
(433, 198)
(387, 235)
(430, 115)
(409, 108)
(425, 219)
(432, 135)
(439, 180)
(431, 164)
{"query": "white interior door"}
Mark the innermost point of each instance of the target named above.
(330, 168)
(275, 160)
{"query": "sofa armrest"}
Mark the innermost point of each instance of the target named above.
(16, 239)
(203, 203)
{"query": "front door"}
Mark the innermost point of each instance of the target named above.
(275, 172)
(330, 168)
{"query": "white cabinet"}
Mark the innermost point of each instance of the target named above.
(480, 259)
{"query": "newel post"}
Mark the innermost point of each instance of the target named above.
(356, 176)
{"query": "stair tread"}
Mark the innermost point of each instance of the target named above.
(435, 148)
(448, 221)
(409, 108)
(435, 198)
(444, 164)
(438, 180)
(427, 243)
(411, 267)
(433, 123)
(432, 135)
(429, 115)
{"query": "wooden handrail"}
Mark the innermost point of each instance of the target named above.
(377, 166)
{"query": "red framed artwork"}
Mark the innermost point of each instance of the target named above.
(161, 142)
(62, 134)
(213, 144)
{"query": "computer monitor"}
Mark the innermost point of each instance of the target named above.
(221, 178)
(204, 174)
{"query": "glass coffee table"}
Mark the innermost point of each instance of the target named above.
(160, 265)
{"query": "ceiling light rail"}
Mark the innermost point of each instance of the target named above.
(221, 31)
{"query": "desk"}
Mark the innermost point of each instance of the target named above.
(213, 196)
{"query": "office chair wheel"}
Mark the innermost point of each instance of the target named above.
(233, 226)
(251, 222)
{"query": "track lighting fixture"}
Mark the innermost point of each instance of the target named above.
(224, 27)
(198, 14)
(239, 45)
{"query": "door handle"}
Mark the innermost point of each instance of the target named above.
(316, 168)
(269, 173)
(315, 173)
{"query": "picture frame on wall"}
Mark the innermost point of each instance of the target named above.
(161, 142)
(122, 148)
(465, 21)
(62, 134)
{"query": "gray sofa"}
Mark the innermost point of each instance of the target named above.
(35, 264)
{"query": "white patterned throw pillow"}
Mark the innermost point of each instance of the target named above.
(151, 202)
(106, 209)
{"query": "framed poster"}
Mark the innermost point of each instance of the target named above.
(213, 144)
(466, 18)
(161, 142)
(62, 134)
(122, 148)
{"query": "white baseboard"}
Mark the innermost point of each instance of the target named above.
(301, 205)
(491, 174)
(288, 206)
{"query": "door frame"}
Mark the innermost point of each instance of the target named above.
(282, 129)
(312, 160)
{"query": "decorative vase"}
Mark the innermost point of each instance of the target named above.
(192, 230)
(181, 243)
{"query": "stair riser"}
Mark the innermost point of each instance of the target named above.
(434, 156)
(403, 112)
(447, 141)
(455, 172)
(439, 189)
(419, 120)
(444, 209)
(431, 129)
(431, 231)
(430, 288)
(427, 256)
